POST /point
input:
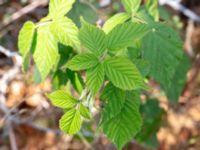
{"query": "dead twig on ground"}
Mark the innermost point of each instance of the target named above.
(6, 78)
(188, 39)
(175, 4)
(27, 9)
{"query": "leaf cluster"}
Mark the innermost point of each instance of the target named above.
(117, 58)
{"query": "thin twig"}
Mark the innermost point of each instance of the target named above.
(27, 9)
(7, 52)
(86, 143)
(175, 4)
(188, 38)
(11, 135)
(8, 76)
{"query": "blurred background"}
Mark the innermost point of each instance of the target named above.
(28, 121)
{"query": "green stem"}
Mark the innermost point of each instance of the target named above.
(83, 94)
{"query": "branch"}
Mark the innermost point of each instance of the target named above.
(175, 4)
(7, 52)
(5, 79)
(10, 74)
(27, 9)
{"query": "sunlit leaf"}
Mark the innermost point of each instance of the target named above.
(123, 73)
(25, 41)
(71, 121)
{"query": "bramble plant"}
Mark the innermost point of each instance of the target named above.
(118, 60)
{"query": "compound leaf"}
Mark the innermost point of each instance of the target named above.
(71, 121)
(82, 61)
(123, 73)
(62, 99)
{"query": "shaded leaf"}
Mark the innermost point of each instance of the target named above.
(82, 9)
(179, 79)
(143, 66)
(151, 123)
(163, 49)
(76, 80)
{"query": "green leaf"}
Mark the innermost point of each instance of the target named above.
(178, 81)
(142, 16)
(133, 53)
(59, 8)
(76, 80)
(123, 73)
(92, 38)
(65, 52)
(95, 78)
(163, 49)
(82, 9)
(25, 41)
(46, 52)
(82, 61)
(151, 123)
(114, 99)
(59, 79)
(143, 66)
(124, 126)
(62, 99)
(131, 6)
(125, 34)
(65, 32)
(36, 75)
(114, 21)
(70, 121)
(85, 112)
(152, 8)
